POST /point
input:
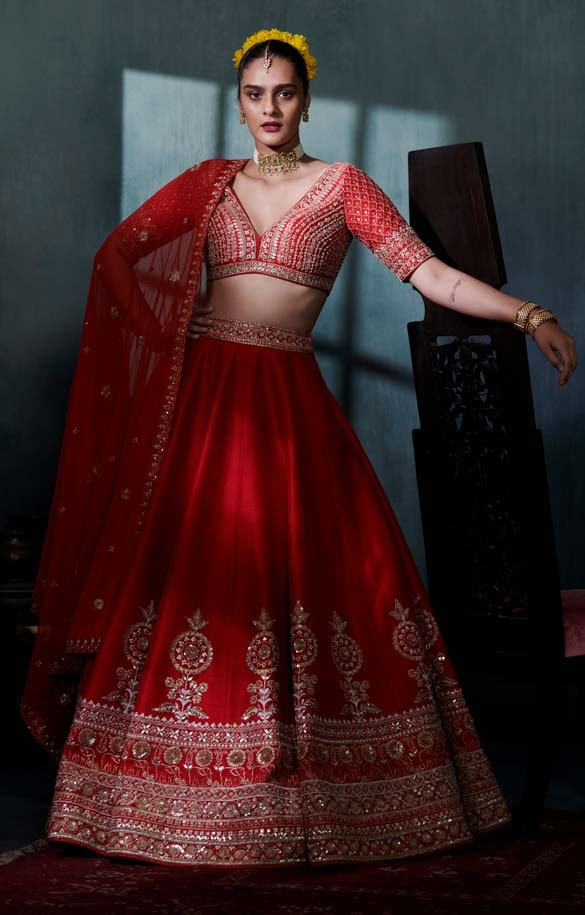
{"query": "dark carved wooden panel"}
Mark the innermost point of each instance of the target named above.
(480, 464)
(491, 562)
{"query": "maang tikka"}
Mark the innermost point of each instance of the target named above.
(276, 162)
(267, 60)
(267, 64)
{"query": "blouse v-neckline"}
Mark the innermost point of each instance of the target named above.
(324, 174)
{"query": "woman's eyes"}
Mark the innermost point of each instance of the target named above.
(285, 93)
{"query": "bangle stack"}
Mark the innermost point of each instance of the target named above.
(530, 316)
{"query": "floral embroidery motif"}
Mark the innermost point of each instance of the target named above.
(136, 645)
(191, 653)
(412, 638)
(393, 784)
(262, 658)
(348, 658)
(304, 650)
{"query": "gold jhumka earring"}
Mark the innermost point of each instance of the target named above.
(305, 114)
(242, 116)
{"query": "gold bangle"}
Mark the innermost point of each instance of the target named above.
(526, 308)
(545, 314)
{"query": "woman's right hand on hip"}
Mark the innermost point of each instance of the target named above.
(198, 324)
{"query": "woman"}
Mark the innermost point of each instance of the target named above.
(262, 680)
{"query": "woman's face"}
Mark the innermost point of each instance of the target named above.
(272, 95)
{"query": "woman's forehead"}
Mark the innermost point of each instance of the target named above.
(281, 71)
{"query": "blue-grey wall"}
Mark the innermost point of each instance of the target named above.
(105, 100)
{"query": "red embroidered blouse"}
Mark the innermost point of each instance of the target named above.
(308, 244)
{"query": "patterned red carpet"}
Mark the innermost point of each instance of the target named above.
(502, 874)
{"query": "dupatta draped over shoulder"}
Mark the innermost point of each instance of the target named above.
(145, 281)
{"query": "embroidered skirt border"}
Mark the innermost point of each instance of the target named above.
(229, 795)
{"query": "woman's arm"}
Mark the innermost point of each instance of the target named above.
(454, 289)
(376, 222)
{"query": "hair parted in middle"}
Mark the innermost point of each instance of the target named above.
(278, 49)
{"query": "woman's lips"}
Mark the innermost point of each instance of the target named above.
(271, 126)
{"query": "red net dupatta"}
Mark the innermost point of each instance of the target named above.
(144, 283)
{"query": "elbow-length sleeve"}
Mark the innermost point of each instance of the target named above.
(372, 217)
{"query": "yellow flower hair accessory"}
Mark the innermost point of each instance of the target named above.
(297, 41)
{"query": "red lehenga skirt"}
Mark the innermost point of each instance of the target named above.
(273, 688)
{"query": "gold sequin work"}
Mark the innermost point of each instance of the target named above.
(283, 784)
(308, 244)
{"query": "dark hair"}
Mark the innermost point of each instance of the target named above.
(279, 49)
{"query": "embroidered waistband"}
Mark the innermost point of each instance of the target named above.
(261, 334)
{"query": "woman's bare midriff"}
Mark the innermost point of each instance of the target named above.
(265, 300)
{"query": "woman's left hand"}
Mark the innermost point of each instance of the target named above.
(558, 347)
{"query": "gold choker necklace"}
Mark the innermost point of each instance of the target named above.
(276, 163)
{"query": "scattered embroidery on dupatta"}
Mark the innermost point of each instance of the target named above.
(191, 653)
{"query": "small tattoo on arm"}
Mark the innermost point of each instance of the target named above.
(452, 293)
